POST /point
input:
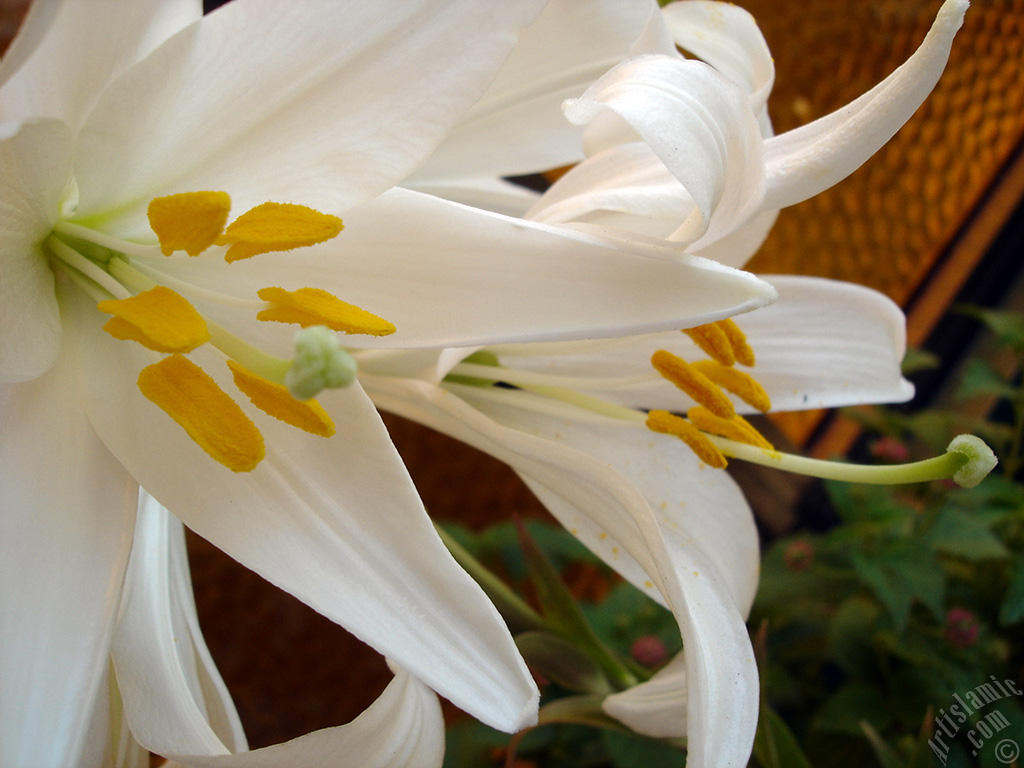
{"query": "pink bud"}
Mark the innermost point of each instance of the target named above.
(649, 650)
(890, 449)
(798, 555)
(962, 628)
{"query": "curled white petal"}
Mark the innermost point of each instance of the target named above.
(805, 161)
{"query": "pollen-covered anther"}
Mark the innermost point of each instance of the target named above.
(670, 424)
(737, 428)
(713, 341)
(190, 221)
(314, 306)
(278, 402)
(277, 227)
(159, 319)
(694, 383)
(211, 418)
(740, 383)
(743, 352)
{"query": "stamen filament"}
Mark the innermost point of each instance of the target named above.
(549, 405)
(589, 402)
(190, 289)
(74, 259)
(268, 366)
(96, 292)
(526, 378)
(130, 276)
(107, 241)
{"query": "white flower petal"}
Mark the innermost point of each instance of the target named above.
(335, 522)
(68, 511)
(68, 50)
(447, 275)
(694, 506)
(260, 85)
(518, 127)
(489, 194)
(829, 344)
(824, 344)
(627, 180)
(698, 122)
(35, 166)
(726, 37)
(736, 248)
(584, 491)
(403, 728)
(161, 660)
(656, 707)
(803, 162)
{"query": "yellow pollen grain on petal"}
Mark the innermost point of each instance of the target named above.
(190, 221)
(314, 306)
(216, 423)
(741, 384)
(277, 227)
(670, 424)
(713, 341)
(743, 352)
(737, 428)
(277, 401)
(694, 383)
(159, 319)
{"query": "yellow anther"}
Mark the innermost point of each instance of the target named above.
(737, 428)
(743, 352)
(209, 416)
(694, 383)
(713, 341)
(159, 319)
(190, 222)
(313, 306)
(741, 384)
(277, 227)
(277, 401)
(669, 424)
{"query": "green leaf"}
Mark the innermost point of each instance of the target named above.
(979, 378)
(885, 754)
(850, 708)
(1007, 326)
(965, 536)
(775, 746)
(900, 573)
(919, 360)
(1012, 609)
(629, 751)
(850, 634)
(470, 744)
(626, 613)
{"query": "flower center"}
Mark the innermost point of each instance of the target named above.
(153, 308)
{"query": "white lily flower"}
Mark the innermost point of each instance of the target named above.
(682, 152)
(105, 110)
(676, 528)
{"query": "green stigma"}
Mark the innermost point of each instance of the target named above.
(320, 363)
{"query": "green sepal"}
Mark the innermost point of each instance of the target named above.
(561, 662)
(563, 614)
